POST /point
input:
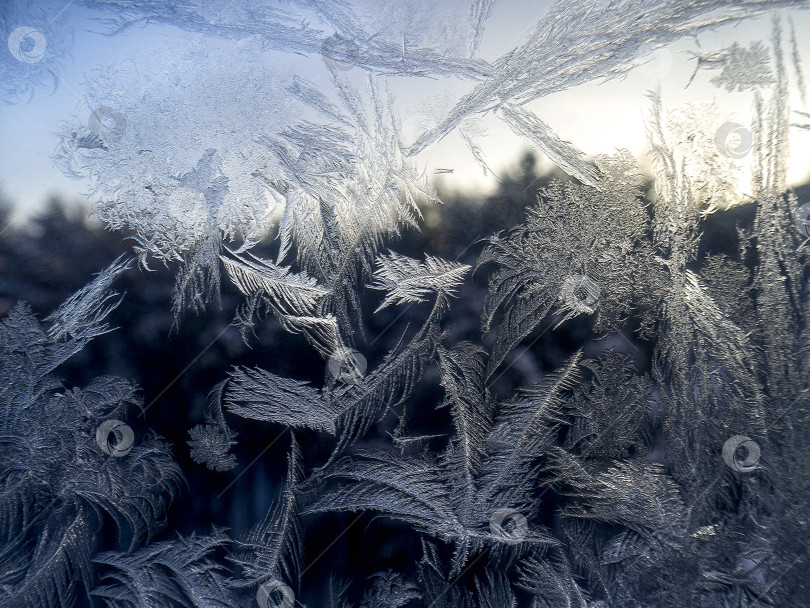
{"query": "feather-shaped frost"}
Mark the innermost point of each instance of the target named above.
(452, 500)
(60, 480)
(337, 208)
(260, 395)
(290, 293)
(389, 590)
(578, 252)
(405, 49)
(595, 44)
(704, 357)
(328, 165)
(345, 410)
(407, 280)
(523, 431)
(168, 573)
(551, 581)
(610, 413)
(273, 549)
(462, 370)
(491, 589)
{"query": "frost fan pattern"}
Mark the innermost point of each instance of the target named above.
(674, 478)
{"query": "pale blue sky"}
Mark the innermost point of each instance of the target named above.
(597, 118)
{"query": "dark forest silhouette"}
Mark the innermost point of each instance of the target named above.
(61, 248)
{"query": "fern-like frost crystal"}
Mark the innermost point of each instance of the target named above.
(627, 429)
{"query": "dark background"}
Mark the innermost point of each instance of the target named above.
(59, 251)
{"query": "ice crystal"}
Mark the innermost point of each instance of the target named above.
(273, 548)
(211, 442)
(573, 254)
(610, 414)
(578, 488)
(745, 69)
(349, 410)
(35, 42)
(182, 188)
(210, 445)
(59, 482)
(407, 280)
(167, 573)
(713, 146)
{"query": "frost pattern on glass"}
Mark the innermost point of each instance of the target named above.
(33, 44)
(60, 479)
(579, 489)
